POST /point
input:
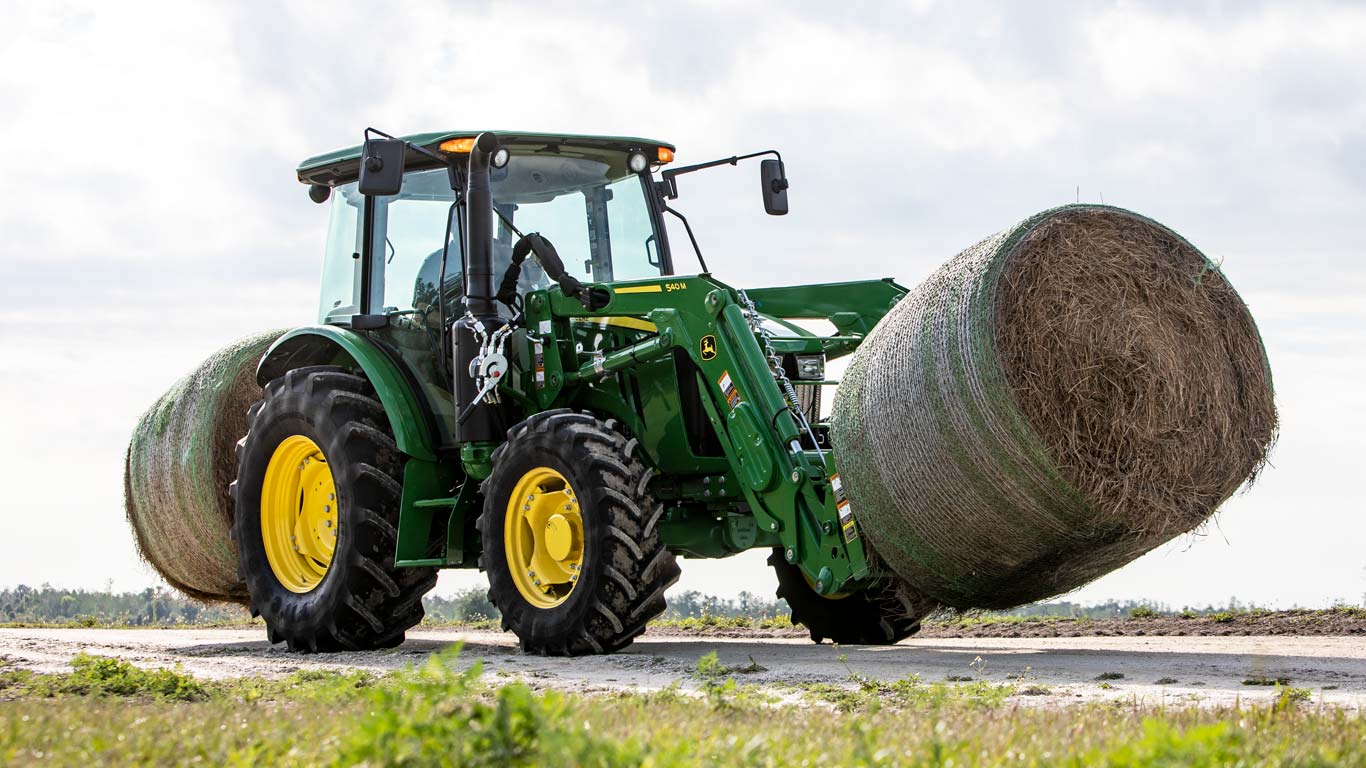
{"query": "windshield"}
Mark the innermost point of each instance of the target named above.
(586, 202)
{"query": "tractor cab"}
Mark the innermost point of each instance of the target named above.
(397, 267)
(591, 196)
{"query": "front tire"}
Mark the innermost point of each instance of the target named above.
(877, 615)
(316, 504)
(570, 536)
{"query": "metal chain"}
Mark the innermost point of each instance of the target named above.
(775, 366)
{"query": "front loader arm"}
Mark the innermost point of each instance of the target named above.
(789, 490)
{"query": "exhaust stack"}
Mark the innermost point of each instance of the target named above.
(479, 290)
(482, 422)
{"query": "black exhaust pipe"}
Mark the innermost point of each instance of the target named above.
(479, 291)
(481, 423)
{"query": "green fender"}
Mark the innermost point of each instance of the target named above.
(330, 345)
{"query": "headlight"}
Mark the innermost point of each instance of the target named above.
(811, 367)
(636, 162)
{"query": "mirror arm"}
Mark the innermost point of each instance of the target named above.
(449, 162)
(671, 186)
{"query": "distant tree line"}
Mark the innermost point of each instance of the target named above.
(152, 607)
(161, 607)
(1112, 609)
(472, 604)
(693, 604)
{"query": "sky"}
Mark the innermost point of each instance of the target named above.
(150, 213)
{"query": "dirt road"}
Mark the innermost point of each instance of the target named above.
(1193, 670)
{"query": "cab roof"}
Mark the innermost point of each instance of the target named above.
(343, 165)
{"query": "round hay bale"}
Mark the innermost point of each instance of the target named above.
(1049, 405)
(177, 470)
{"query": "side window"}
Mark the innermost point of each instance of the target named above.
(409, 230)
(635, 252)
(340, 298)
(412, 253)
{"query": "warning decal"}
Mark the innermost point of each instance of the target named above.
(845, 510)
(728, 389)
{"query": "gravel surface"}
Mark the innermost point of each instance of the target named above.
(1057, 671)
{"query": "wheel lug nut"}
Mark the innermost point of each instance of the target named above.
(327, 523)
(331, 496)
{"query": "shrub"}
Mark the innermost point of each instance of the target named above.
(104, 676)
(437, 715)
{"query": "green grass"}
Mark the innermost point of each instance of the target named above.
(491, 625)
(103, 676)
(708, 622)
(106, 712)
(970, 620)
(89, 622)
(1141, 613)
(1267, 681)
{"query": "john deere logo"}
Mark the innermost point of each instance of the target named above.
(708, 347)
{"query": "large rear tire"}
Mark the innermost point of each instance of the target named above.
(874, 616)
(570, 536)
(316, 503)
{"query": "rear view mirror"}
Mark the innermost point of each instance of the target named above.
(381, 167)
(775, 187)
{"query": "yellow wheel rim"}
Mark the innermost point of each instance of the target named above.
(299, 520)
(543, 537)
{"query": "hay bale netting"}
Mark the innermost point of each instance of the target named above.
(179, 464)
(1052, 403)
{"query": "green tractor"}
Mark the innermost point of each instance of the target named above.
(507, 374)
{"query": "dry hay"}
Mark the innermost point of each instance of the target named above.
(177, 470)
(1051, 404)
